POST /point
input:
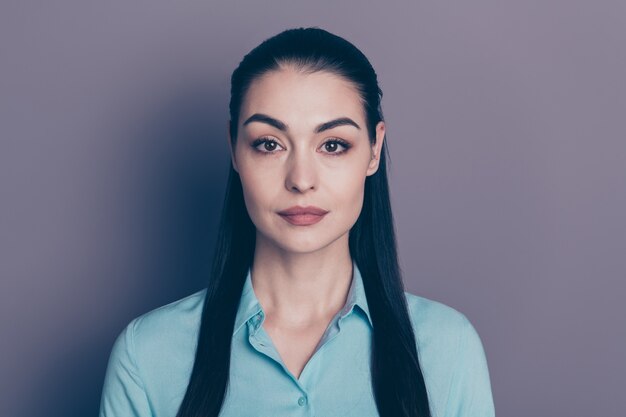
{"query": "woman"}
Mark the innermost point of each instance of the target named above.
(305, 312)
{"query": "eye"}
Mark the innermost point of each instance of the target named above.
(269, 145)
(331, 145)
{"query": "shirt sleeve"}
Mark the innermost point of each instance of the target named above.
(123, 393)
(470, 391)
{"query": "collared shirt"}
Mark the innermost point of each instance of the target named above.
(151, 362)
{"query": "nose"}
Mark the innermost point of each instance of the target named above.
(301, 173)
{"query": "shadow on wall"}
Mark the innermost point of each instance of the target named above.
(164, 177)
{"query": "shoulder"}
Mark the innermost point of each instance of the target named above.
(169, 328)
(180, 313)
(426, 313)
(452, 357)
(152, 356)
(441, 328)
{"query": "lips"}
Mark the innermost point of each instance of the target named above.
(303, 216)
(299, 210)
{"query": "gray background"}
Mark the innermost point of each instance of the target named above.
(507, 140)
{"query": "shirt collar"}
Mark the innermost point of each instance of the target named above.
(249, 305)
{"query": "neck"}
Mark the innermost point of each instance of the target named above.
(301, 288)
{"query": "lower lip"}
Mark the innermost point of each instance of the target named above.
(303, 219)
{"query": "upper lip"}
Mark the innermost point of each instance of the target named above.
(296, 210)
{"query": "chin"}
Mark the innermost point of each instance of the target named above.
(300, 242)
(300, 239)
(301, 245)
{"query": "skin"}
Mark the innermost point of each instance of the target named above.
(301, 274)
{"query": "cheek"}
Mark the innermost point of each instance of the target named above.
(348, 191)
(259, 192)
(252, 190)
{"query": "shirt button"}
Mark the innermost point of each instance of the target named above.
(301, 401)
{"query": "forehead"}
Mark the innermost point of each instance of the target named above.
(291, 95)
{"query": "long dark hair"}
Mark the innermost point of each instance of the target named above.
(397, 380)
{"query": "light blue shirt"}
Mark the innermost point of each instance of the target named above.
(152, 359)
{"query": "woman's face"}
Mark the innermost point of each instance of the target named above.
(302, 141)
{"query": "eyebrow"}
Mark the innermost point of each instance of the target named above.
(263, 118)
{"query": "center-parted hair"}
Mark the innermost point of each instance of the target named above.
(397, 380)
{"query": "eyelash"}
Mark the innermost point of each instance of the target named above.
(265, 139)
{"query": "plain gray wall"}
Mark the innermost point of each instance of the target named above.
(506, 130)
